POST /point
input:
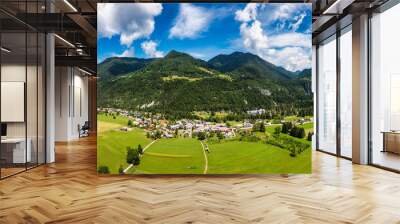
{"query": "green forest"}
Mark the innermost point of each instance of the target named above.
(179, 84)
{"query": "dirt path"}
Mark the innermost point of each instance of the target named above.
(205, 158)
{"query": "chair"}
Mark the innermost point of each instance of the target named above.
(84, 130)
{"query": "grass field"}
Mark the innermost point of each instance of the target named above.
(111, 143)
(173, 156)
(271, 128)
(185, 155)
(246, 157)
(123, 121)
(309, 127)
(104, 126)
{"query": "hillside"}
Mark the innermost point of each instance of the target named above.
(248, 65)
(304, 78)
(306, 73)
(181, 84)
(115, 66)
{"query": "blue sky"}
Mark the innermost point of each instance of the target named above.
(278, 33)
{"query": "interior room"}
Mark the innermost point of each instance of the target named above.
(385, 85)
(22, 99)
(48, 104)
(71, 103)
(29, 102)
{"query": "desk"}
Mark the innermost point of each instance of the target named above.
(391, 141)
(13, 150)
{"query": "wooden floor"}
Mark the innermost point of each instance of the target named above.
(5, 172)
(70, 191)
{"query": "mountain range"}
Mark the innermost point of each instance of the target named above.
(179, 84)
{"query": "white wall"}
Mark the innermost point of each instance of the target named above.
(71, 102)
(13, 73)
(33, 126)
(61, 103)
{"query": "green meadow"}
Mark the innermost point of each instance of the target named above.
(173, 156)
(112, 143)
(252, 158)
(187, 156)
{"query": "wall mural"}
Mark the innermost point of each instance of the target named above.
(204, 88)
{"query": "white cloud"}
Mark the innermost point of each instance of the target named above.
(130, 52)
(130, 21)
(150, 49)
(253, 35)
(290, 58)
(285, 11)
(299, 20)
(291, 39)
(291, 50)
(191, 22)
(248, 13)
(288, 17)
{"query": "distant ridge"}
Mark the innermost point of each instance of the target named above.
(180, 84)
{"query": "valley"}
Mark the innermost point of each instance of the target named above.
(232, 114)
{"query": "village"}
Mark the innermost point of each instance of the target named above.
(157, 127)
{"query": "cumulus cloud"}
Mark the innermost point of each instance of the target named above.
(248, 13)
(130, 21)
(285, 11)
(290, 58)
(191, 22)
(284, 17)
(150, 49)
(253, 35)
(290, 49)
(291, 39)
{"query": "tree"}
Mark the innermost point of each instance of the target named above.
(140, 149)
(132, 156)
(121, 170)
(297, 132)
(220, 135)
(148, 135)
(103, 170)
(256, 127)
(262, 127)
(309, 136)
(157, 134)
(287, 127)
(201, 136)
(284, 128)
(301, 133)
(277, 130)
(212, 134)
(293, 131)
